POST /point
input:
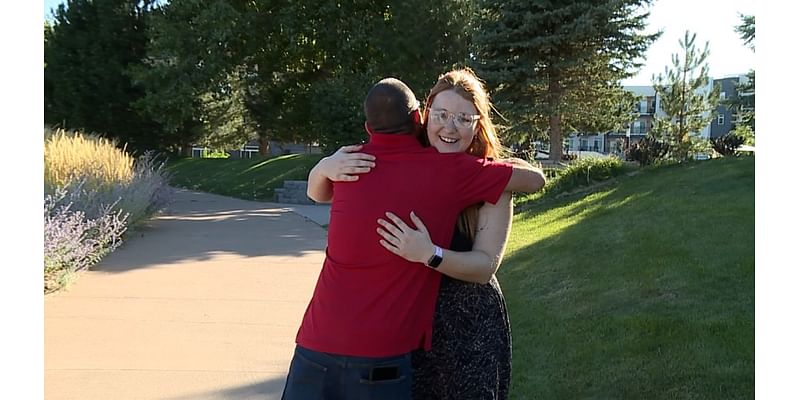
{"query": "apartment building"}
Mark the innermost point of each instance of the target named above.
(648, 108)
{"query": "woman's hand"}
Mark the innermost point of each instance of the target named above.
(346, 164)
(412, 244)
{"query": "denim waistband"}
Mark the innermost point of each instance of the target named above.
(350, 361)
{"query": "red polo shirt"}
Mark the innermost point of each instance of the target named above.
(369, 302)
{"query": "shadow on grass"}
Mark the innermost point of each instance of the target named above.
(644, 290)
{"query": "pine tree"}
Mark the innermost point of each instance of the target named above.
(745, 103)
(556, 66)
(686, 98)
(89, 49)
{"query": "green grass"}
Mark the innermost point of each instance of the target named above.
(643, 289)
(250, 179)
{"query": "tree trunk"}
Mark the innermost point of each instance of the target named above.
(556, 140)
(186, 150)
(263, 146)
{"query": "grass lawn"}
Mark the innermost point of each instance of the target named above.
(250, 179)
(641, 290)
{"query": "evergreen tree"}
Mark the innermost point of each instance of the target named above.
(686, 98)
(744, 105)
(747, 30)
(187, 61)
(88, 51)
(301, 68)
(556, 66)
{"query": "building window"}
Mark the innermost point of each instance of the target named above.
(721, 119)
(722, 96)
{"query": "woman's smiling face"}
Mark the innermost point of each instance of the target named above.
(446, 137)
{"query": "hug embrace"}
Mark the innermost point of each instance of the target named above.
(407, 305)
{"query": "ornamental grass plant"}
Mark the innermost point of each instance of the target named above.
(94, 193)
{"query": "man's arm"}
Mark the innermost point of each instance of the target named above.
(524, 177)
(342, 166)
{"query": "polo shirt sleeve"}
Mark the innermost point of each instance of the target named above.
(481, 180)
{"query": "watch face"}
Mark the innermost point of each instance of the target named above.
(435, 261)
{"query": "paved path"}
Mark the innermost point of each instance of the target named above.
(202, 303)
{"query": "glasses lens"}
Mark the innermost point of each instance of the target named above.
(465, 121)
(439, 116)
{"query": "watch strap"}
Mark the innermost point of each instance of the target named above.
(436, 258)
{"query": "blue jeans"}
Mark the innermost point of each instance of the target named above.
(314, 375)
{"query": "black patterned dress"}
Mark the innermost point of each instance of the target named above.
(471, 353)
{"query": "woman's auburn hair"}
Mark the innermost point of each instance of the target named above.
(485, 144)
(463, 81)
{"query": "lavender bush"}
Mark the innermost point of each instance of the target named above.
(85, 221)
(72, 241)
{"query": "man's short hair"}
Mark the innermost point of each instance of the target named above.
(389, 107)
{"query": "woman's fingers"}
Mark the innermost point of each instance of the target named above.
(389, 247)
(418, 223)
(395, 231)
(389, 237)
(399, 222)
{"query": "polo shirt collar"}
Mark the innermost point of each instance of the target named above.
(405, 140)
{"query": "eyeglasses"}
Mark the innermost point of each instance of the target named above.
(460, 120)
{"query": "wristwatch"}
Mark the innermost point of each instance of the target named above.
(436, 258)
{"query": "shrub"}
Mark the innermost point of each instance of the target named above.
(145, 193)
(647, 151)
(214, 154)
(94, 192)
(746, 133)
(700, 147)
(72, 241)
(584, 172)
(727, 145)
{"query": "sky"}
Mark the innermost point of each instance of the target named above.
(712, 20)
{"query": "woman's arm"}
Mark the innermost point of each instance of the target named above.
(524, 177)
(342, 166)
(478, 265)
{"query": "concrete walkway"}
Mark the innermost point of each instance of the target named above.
(202, 303)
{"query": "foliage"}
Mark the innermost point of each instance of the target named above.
(727, 144)
(647, 151)
(685, 98)
(585, 172)
(744, 105)
(747, 30)
(73, 241)
(94, 192)
(69, 156)
(628, 293)
(214, 154)
(746, 133)
(89, 50)
(295, 71)
(556, 66)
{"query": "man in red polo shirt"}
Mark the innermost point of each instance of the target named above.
(371, 308)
